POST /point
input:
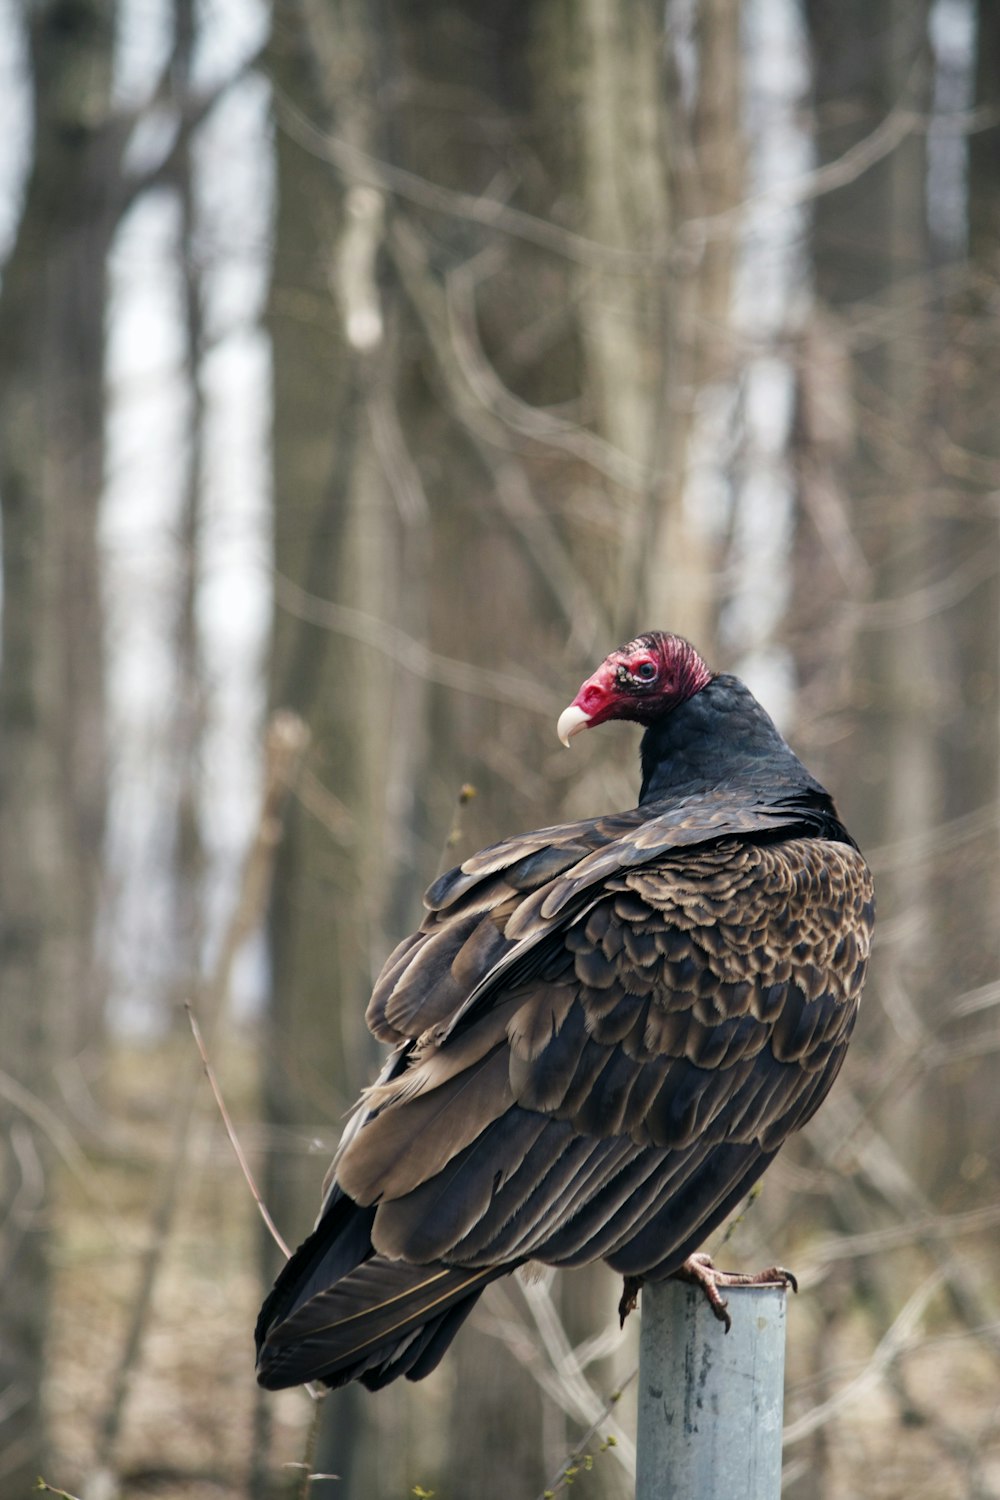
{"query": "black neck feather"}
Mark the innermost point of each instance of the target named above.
(722, 737)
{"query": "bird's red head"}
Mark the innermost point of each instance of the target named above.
(640, 681)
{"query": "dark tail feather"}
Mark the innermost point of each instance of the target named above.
(425, 1351)
(381, 1320)
(339, 1243)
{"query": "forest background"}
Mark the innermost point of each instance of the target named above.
(367, 371)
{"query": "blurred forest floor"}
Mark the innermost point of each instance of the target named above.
(189, 1429)
(191, 1399)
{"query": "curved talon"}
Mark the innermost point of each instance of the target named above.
(772, 1276)
(700, 1271)
(629, 1298)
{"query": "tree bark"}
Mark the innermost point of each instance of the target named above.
(968, 369)
(52, 750)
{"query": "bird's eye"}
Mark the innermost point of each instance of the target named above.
(646, 670)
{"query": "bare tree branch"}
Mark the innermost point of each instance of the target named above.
(248, 1176)
(491, 213)
(887, 1350)
(411, 654)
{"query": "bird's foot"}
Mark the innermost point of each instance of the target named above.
(629, 1299)
(699, 1270)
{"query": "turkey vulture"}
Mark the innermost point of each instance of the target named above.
(603, 1032)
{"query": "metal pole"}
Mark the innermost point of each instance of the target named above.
(710, 1402)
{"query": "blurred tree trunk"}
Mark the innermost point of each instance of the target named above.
(969, 375)
(52, 753)
(188, 728)
(625, 147)
(692, 346)
(867, 236)
(328, 515)
(869, 245)
(865, 526)
(916, 605)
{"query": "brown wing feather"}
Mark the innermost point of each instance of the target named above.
(406, 1143)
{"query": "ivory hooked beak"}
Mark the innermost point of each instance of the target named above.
(571, 721)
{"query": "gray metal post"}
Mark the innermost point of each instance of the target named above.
(710, 1402)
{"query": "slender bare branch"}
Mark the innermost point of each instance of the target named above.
(887, 1349)
(547, 428)
(609, 1442)
(409, 653)
(227, 1121)
(51, 1489)
(931, 598)
(493, 442)
(491, 213)
(895, 1237)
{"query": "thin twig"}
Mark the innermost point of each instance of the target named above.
(492, 213)
(555, 1364)
(310, 1454)
(408, 652)
(313, 1475)
(842, 1125)
(65, 1146)
(610, 1441)
(565, 1362)
(895, 1236)
(886, 1351)
(262, 1209)
(496, 441)
(544, 427)
(929, 599)
(192, 110)
(466, 793)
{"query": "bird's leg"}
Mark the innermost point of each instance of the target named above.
(699, 1270)
(629, 1299)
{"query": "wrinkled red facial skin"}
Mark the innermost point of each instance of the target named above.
(618, 690)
